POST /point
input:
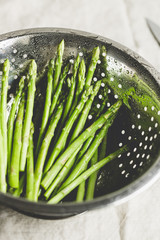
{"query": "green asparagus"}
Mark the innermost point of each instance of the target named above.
(52, 173)
(29, 113)
(66, 168)
(58, 64)
(58, 89)
(72, 90)
(85, 147)
(92, 66)
(92, 179)
(17, 192)
(62, 174)
(47, 104)
(81, 80)
(44, 149)
(11, 119)
(65, 131)
(81, 187)
(81, 192)
(3, 183)
(30, 166)
(81, 165)
(3, 110)
(64, 192)
(13, 176)
(77, 130)
(85, 112)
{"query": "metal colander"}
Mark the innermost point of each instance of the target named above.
(137, 124)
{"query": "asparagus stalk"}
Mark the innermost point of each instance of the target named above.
(103, 147)
(3, 184)
(64, 192)
(58, 64)
(65, 131)
(66, 168)
(83, 150)
(62, 174)
(13, 176)
(81, 80)
(30, 166)
(52, 173)
(3, 110)
(17, 192)
(72, 89)
(11, 120)
(85, 147)
(92, 179)
(85, 112)
(92, 66)
(47, 105)
(77, 130)
(80, 83)
(81, 192)
(81, 187)
(29, 113)
(81, 166)
(59, 88)
(44, 149)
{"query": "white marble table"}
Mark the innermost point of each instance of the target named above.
(123, 21)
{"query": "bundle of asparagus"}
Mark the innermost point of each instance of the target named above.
(66, 152)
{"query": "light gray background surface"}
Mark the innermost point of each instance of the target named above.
(122, 21)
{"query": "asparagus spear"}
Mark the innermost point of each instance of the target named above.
(52, 173)
(103, 147)
(81, 192)
(44, 149)
(47, 105)
(17, 192)
(85, 147)
(30, 166)
(64, 192)
(77, 130)
(91, 182)
(85, 112)
(81, 166)
(67, 167)
(3, 184)
(81, 187)
(81, 80)
(13, 176)
(65, 131)
(58, 64)
(29, 112)
(11, 120)
(92, 66)
(59, 88)
(92, 179)
(72, 90)
(62, 174)
(3, 110)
